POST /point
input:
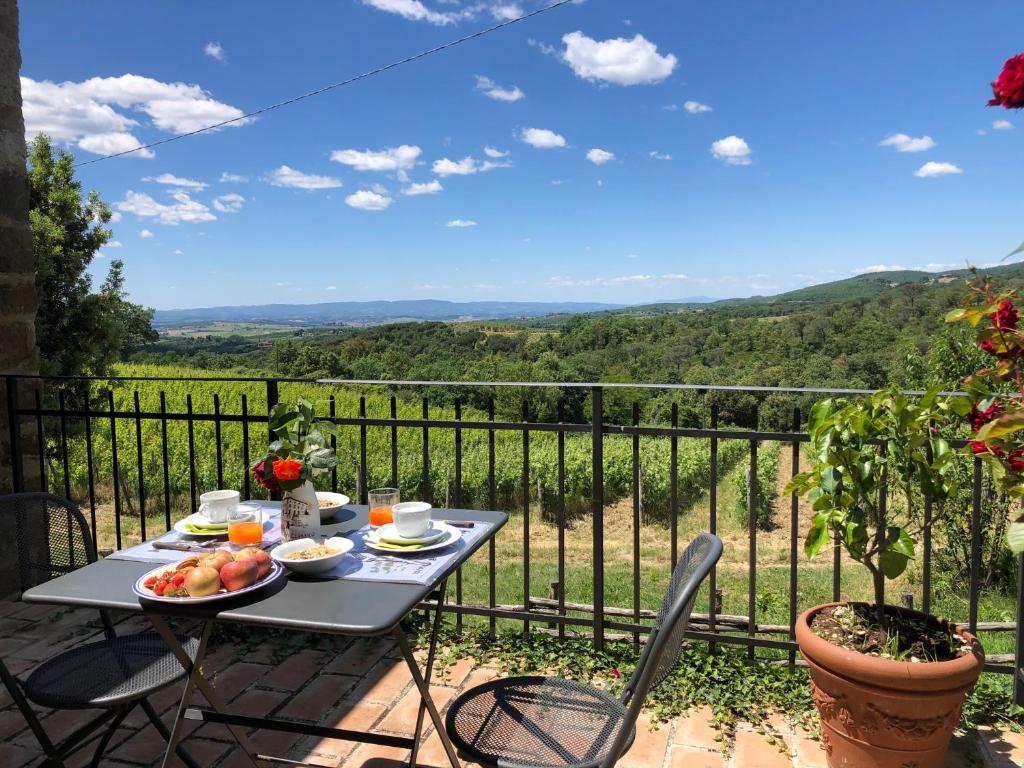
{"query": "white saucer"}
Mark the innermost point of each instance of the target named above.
(389, 533)
(216, 528)
(451, 535)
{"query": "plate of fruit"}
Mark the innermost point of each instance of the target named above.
(215, 576)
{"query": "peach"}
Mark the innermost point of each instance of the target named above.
(240, 574)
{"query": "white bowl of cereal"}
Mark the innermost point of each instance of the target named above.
(310, 557)
(330, 503)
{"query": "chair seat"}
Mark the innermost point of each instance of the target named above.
(108, 672)
(543, 722)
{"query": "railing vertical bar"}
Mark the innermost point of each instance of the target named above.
(794, 535)
(273, 398)
(14, 429)
(752, 495)
(975, 546)
(363, 469)
(44, 481)
(394, 443)
(91, 483)
(561, 518)
(116, 474)
(926, 562)
(526, 514)
(140, 465)
(64, 462)
(425, 491)
(636, 523)
(217, 440)
(492, 503)
(166, 462)
(1018, 678)
(597, 509)
(332, 412)
(246, 459)
(713, 524)
(673, 491)
(883, 504)
(192, 483)
(458, 505)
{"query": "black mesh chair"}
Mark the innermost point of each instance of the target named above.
(547, 722)
(115, 674)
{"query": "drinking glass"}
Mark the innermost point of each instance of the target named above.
(245, 525)
(381, 502)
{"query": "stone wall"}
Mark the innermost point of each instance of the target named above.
(18, 352)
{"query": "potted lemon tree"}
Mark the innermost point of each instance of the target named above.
(888, 682)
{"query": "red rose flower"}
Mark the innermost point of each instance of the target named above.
(287, 469)
(1008, 89)
(615, 673)
(988, 346)
(259, 473)
(979, 446)
(980, 418)
(1006, 317)
(1016, 459)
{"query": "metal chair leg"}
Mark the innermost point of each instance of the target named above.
(108, 735)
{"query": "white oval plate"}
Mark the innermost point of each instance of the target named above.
(148, 594)
(389, 533)
(451, 535)
(195, 517)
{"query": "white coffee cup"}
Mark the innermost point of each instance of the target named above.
(412, 518)
(216, 506)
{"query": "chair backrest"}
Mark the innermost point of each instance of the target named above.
(665, 643)
(52, 536)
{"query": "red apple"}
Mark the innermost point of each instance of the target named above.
(239, 574)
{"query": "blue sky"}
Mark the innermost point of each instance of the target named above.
(739, 145)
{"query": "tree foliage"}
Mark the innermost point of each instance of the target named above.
(78, 330)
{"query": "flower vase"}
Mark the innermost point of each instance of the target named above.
(300, 514)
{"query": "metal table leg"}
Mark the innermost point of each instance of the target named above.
(196, 680)
(423, 685)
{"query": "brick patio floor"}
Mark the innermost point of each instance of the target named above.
(365, 685)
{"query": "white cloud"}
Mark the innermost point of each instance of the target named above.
(145, 233)
(115, 217)
(387, 159)
(494, 153)
(600, 156)
(732, 150)
(293, 179)
(175, 181)
(232, 178)
(461, 223)
(232, 202)
(1002, 125)
(619, 61)
(611, 282)
(177, 252)
(932, 169)
(84, 113)
(695, 107)
(183, 210)
(494, 91)
(659, 155)
(215, 51)
(113, 244)
(368, 200)
(465, 167)
(904, 143)
(331, 288)
(414, 10)
(506, 11)
(426, 188)
(632, 256)
(541, 138)
(878, 268)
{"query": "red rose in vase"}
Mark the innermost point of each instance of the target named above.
(1008, 89)
(259, 472)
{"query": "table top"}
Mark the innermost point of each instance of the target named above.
(335, 606)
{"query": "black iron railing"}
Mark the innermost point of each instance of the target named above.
(74, 419)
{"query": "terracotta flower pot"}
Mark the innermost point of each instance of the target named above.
(880, 713)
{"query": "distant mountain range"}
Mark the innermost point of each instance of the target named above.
(374, 312)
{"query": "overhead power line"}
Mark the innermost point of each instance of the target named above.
(339, 84)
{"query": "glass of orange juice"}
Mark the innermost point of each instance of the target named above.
(245, 525)
(381, 501)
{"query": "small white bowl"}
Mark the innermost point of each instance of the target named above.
(338, 500)
(317, 565)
